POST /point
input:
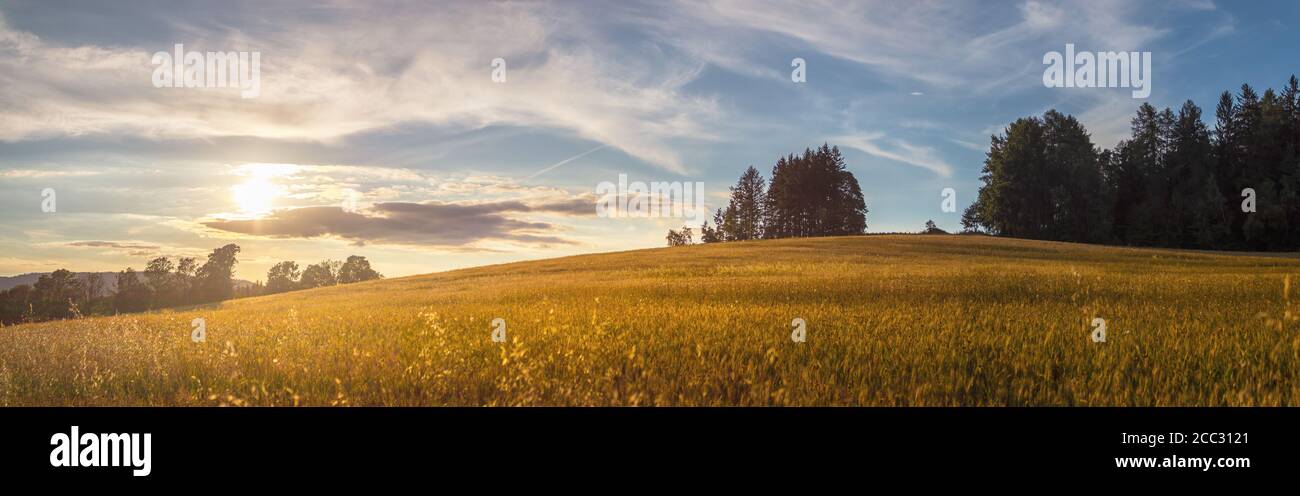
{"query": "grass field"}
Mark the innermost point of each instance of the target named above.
(891, 320)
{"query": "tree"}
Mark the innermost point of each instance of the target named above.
(1194, 204)
(1226, 152)
(813, 195)
(1042, 179)
(1172, 182)
(215, 279)
(320, 274)
(708, 234)
(970, 219)
(132, 295)
(1077, 193)
(675, 238)
(186, 284)
(16, 305)
(62, 294)
(748, 199)
(720, 220)
(94, 286)
(282, 277)
(57, 295)
(356, 269)
(162, 283)
(1011, 202)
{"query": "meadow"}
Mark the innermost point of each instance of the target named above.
(891, 320)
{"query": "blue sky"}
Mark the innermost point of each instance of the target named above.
(379, 130)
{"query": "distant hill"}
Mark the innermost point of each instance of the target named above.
(110, 280)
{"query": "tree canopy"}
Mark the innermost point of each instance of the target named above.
(1174, 182)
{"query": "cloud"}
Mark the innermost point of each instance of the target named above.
(132, 248)
(920, 156)
(33, 173)
(1202, 5)
(1109, 118)
(935, 43)
(405, 223)
(969, 145)
(394, 69)
(565, 161)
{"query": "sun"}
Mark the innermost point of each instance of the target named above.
(256, 196)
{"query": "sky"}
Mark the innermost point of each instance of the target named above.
(389, 130)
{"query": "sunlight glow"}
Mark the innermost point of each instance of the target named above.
(256, 196)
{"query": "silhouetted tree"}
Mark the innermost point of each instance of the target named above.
(1172, 182)
(94, 286)
(162, 283)
(356, 269)
(813, 195)
(744, 215)
(62, 294)
(186, 280)
(132, 294)
(282, 277)
(17, 305)
(57, 295)
(320, 274)
(675, 238)
(215, 279)
(708, 234)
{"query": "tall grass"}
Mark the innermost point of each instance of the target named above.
(892, 320)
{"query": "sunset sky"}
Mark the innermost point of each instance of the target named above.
(379, 131)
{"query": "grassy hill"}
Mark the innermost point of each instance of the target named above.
(891, 320)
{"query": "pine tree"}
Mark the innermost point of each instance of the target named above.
(748, 200)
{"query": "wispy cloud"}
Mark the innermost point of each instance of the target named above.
(900, 151)
(132, 248)
(567, 160)
(559, 76)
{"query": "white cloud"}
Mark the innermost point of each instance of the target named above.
(1109, 118)
(901, 151)
(932, 43)
(368, 69)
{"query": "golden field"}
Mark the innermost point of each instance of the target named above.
(891, 320)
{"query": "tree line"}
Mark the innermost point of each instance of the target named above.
(164, 283)
(61, 294)
(812, 194)
(1174, 182)
(285, 276)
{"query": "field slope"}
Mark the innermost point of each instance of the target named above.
(891, 320)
